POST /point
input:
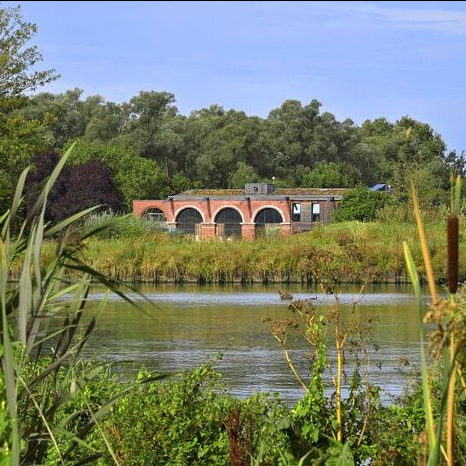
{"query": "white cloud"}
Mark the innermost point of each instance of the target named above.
(447, 21)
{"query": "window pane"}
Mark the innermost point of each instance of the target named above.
(232, 220)
(155, 215)
(187, 220)
(296, 213)
(268, 216)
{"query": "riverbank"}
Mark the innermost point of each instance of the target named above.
(350, 252)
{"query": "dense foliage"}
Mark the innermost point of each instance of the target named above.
(361, 204)
(20, 136)
(296, 144)
(78, 187)
(152, 150)
(135, 250)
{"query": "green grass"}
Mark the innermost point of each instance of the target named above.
(346, 252)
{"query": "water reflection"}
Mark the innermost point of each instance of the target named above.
(187, 326)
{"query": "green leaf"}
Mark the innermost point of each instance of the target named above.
(69, 221)
(340, 455)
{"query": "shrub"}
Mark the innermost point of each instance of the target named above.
(135, 177)
(120, 226)
(76, 188)
(189, 421)
(361, 204)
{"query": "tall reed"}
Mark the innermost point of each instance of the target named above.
(352, 252)
(36, 318)
(444, 315)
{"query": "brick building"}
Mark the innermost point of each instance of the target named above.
(257, 209)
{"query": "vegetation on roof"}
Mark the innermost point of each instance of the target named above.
(213, 192)
(278, 192)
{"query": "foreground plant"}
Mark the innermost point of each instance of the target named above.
(332, 427)
(43, 313)
(446, 341)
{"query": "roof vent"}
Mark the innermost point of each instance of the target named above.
(258, 188)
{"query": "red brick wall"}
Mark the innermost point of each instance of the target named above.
(209, 208)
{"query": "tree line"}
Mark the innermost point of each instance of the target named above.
(145, 148)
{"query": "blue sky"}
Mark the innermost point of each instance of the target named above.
(360, 59)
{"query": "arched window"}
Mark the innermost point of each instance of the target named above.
(267, 220)
(187, 220)
(155, 215)
(231, 219)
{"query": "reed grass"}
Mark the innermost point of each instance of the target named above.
(352, 252)
(443, 313)
(35, 319)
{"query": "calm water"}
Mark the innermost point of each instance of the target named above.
(189, 325)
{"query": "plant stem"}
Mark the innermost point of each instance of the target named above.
(451, 400)
(339, 371)
(424, 247)
(289, 361)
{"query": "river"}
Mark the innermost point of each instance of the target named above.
(185, 326)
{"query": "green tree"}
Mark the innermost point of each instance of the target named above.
(67, 113)
(409, 149)
(107, 122)
(16, 57)
(244, 174)
(145, 116)
(219, 141)
(20, 139)
(179, 183)
(331, 175)
(134, 176)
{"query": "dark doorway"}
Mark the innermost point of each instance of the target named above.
(267, 220)
(231, 219)
(187, 220)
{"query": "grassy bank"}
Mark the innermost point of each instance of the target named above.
(345, 252)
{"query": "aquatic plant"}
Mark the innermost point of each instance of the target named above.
(331, 426)
(448, 338)
(38, 321)
(351, 252)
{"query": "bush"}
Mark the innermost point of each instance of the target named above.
(134, 176)
(361, 204)
(77, 187)
(120, 226)
(193, 420)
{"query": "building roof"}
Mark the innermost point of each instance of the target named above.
(277, 192)
(239, 194)
(378, 187)
(311, 191)
(212, 192)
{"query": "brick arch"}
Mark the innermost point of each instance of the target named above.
(141, 207)
(155, 208)
(188, 206)
(254, 215)
(214, 215)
